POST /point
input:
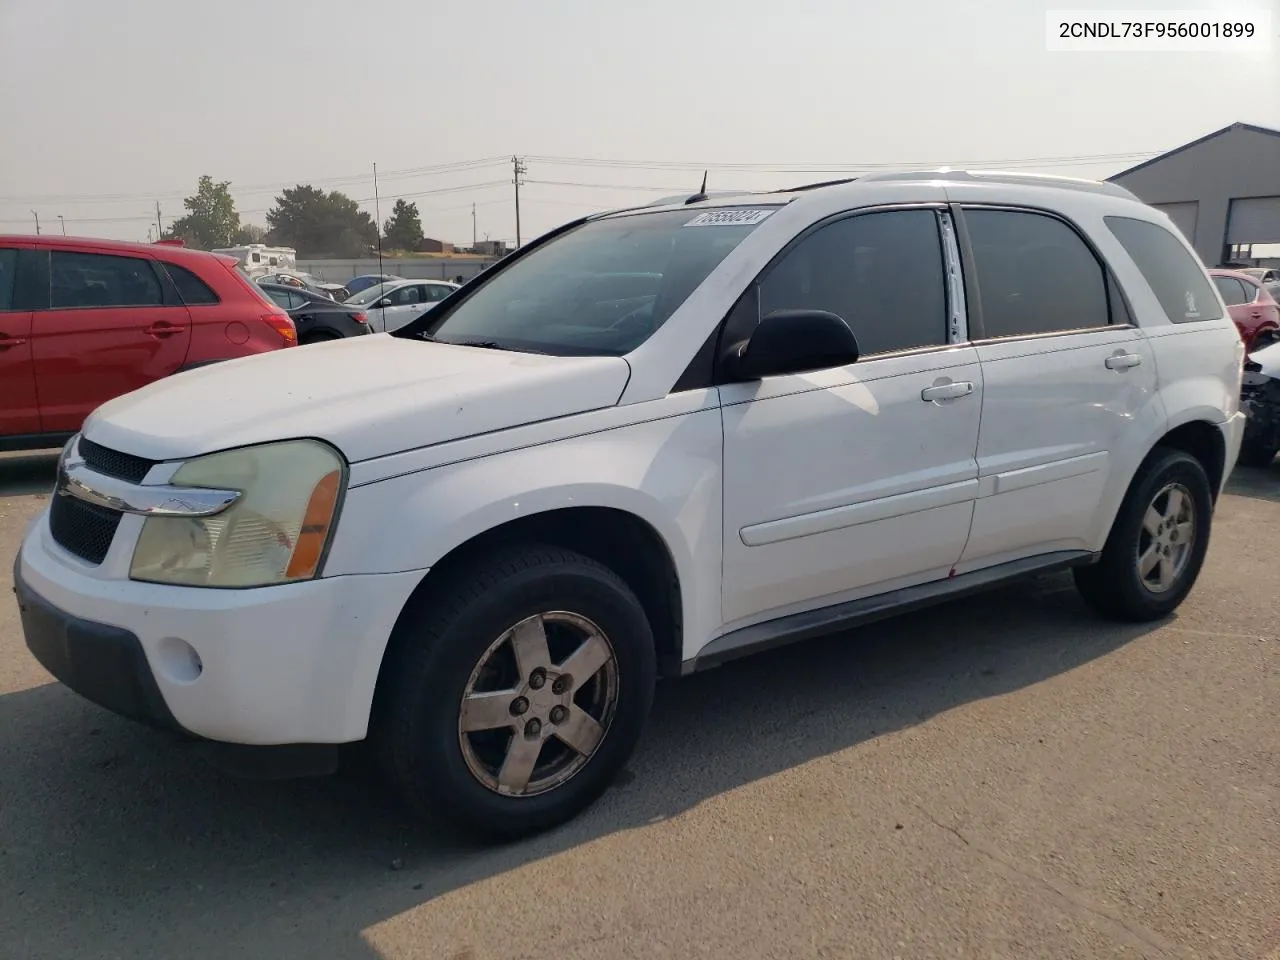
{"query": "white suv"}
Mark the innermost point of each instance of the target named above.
(650, 441)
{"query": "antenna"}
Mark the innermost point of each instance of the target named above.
(377, 212)
(702, 191)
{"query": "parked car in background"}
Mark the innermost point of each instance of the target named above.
(394, 303)
(1253, 309)
(365, 281)
(1263, 275)
(84, 321)
(1260, 400)
(478, 541)
(306, 281)
(316, 316)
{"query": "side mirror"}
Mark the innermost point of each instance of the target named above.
(384, 302)
(793, 341)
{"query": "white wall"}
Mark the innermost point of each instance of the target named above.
(417, 268)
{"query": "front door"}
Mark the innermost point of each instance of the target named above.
(1068, 383)
(848, 481)
(107, 330)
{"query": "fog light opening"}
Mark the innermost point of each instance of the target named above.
(178, 661)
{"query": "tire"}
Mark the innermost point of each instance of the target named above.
(1115, 585)
(1256, 454)
(317, 338)
(449, 644)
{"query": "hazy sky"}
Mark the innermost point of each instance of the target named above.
(110, 105)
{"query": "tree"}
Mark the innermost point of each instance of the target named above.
(318, 224)
(251, 233)
(404, 230)
(211, 220)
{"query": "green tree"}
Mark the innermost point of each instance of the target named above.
(251, 233)
(211, 220)
(319, 224)
(404, 230)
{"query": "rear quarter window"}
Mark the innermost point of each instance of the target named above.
(1178, 281)
(194, 291)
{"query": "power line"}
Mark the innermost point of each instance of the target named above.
(404, 173)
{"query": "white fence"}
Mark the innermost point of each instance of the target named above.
(416, 268)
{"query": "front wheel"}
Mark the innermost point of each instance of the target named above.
(1158, 541)
(515, 691)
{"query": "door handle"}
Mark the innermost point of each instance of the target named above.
(1123, 361)
(946, 391)
(7, 342)
(163, 328)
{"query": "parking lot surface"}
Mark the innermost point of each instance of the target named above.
(1003, 777)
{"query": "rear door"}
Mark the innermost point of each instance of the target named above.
(1068, 383)
(112, 324)
(19, 412)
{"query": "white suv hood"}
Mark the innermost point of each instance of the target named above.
(368, 396)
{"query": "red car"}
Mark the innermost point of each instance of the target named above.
(1253, 309)
(84, 321)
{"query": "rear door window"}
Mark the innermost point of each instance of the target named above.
(8, 271)
(1174, 276)
(89, 280)
(1035, 275)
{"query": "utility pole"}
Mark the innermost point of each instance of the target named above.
(518, 166)
(64, 224)
(473, 226)
(37, 216)
(159, 229)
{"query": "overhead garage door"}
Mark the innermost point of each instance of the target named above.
(1183, 216)
(1254, 220)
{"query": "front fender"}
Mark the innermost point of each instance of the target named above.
(664, 471)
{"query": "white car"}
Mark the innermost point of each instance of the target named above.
(392, 304)
(477, 542)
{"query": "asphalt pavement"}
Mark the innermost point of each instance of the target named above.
(1003, 777)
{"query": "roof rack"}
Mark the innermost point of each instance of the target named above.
(1007, 177)
(816, 186)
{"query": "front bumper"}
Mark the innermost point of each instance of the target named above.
(1233, 434)
(290, 664)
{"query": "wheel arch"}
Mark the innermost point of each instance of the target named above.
(621, 540)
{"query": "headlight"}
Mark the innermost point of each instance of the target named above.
(276, 532)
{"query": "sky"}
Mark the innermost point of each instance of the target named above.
(111, 106)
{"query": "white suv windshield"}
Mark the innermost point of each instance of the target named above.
(602, 288)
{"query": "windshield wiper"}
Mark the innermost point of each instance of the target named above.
(491, 345)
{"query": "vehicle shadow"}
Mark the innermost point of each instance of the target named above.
(1257, 483)
(117, 841)
(22, 474)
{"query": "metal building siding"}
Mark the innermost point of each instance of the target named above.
(1239, 162)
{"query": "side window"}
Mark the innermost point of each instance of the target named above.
(1251, 291)
(1034, 275)
(8, 271)
(1232, 290)
(194, 291)
(436, 292)
(271, 261)
(98, 280)
(279, 297)
(1174, 276)
(257, 258)
(881, 272)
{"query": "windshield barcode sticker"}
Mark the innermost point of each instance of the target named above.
(728, 218)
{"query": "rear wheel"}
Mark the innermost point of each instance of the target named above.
(1255, 454)
(515, 691)
(1158, 541)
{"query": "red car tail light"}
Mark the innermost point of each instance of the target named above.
(284, 326)
(360, 317)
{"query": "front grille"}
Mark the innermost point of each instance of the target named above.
(84, 529)
(113, 463)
